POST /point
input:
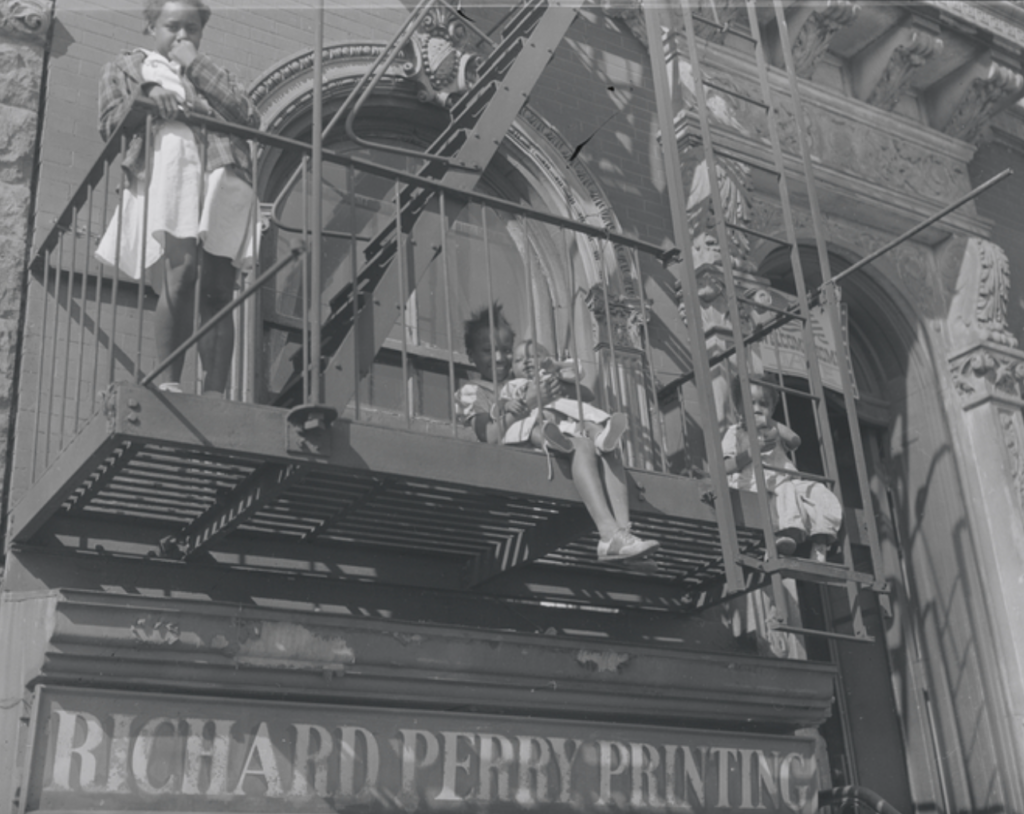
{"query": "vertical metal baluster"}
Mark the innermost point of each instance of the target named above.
(605, 281)
(79, 368)
(567, 248)
(403, 294)
(53, 347)
(530, 307)
(316, 281)
(201, 270)
(140, 304)
(111, 358)
(307, 360)
(100, 278)
(490, 308)
(649, 376)
(250, 324)
(42, 358)
(67, 329)
(446, 281)
(354, 272)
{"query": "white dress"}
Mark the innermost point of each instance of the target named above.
(568, 412)
(223, 221)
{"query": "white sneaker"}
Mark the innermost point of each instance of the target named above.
(625, 546)
(609, 437)
(170, 387)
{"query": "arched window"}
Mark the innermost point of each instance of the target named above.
(541, 274)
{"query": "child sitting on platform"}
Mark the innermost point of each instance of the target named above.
(804, 511)
(549, 426)
(600, 478)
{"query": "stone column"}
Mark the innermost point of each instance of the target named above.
(24, 31)
(987, 372)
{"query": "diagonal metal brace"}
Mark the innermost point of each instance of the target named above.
(528, 545)
(254, 493)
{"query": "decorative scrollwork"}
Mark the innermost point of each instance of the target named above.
(441, 60)
(26, 19)
(814, 36)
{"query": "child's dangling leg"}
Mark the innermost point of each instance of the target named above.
(172, 318)
(217, 346)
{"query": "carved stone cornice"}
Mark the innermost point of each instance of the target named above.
(982, 99)
(811, 42)
(903, 61)
(1006, 19)
(137, 642)
(26, 19)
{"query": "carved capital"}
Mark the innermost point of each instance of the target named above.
(903, 61)
(625, 333)
(978, 310)
(988, 372)
(812, 40)
(442, 63)
(26, 19)
(982, 99)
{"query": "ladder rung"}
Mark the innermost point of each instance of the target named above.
(724, 28)
(783, 389)
(773, 308)
(754, 233)
(750, 162)
(810, 571)
(736, 94)
(806, 631)
(803, 475)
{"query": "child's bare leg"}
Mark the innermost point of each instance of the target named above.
(586, 476)
(172, 319)
(217, 346)
(616, 487)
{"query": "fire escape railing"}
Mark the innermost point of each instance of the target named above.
(90, 326)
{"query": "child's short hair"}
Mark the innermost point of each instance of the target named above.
(151, 11)
(480, 321)
(736, 390)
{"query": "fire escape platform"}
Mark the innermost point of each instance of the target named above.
(211, 476)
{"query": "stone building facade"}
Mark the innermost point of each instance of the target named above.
(908, 106)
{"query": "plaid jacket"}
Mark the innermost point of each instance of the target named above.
(121, 85)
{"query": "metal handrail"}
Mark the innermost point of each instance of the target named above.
(271, 140)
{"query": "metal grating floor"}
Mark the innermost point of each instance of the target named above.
(379, 493)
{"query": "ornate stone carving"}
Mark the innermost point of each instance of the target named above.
(26, 19)
(903, 61)
(987, 371)
(442, 63)
(1011, 426)
(978, 310)
(985, 97)
(627, 320)
(811, 42)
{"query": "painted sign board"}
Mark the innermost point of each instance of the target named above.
(782, 350)
(95, 750)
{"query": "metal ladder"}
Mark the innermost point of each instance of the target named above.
(354, 331)
(774, 566)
